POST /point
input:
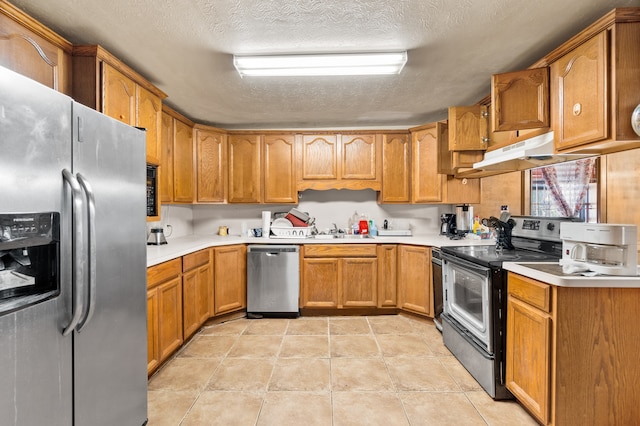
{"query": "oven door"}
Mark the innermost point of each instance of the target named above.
(467, 298)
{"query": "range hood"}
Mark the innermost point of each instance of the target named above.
(527, 154)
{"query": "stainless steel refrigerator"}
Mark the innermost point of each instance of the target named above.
(73, 345)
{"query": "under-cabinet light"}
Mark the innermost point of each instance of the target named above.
(321, 64)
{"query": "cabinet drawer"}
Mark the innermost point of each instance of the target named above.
(530, 291)
(164, 271)
(340, 250)
(194, 260)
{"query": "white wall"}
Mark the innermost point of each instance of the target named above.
(178, 217)
(333, 206)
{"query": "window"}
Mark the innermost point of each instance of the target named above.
(566, 190)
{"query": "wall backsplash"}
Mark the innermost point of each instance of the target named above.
(328, 207)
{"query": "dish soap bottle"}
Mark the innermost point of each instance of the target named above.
(373, 230)
(476, 225)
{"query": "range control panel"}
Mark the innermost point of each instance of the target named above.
(542, 228)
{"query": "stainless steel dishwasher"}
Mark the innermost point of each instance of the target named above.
(273, 280)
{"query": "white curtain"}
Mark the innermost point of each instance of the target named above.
(569, 185)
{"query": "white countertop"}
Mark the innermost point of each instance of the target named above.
(181, 246)
(551, 273)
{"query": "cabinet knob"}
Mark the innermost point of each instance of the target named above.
(577, 109)
(485, 139)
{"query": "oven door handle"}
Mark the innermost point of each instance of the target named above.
(467, 265)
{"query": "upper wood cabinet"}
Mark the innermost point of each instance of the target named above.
(520, 99)
(340, 161)
(245, 168)
(211, 160)
(319, 157)
(279, 162)
(177, 165)
(396, 168)
(595, 85)
(580, 88)
(468, 128)
(101, 81)
(31, 49)
(430, 186)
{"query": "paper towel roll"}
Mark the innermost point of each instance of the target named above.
(266, 223)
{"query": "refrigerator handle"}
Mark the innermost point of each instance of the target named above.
(91, 225)
(78, 266)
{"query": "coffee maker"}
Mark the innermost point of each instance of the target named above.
(599, 247)
(447, 224)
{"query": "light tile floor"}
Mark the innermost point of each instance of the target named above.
(380, 370)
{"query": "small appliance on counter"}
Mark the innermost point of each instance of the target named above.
(156, 237)
(464, 219)
(447, 224)
(602, 248)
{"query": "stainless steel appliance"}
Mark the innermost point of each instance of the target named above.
(464, 219)
(604, 248)
(436, 268)
(73, 353)
(273, 280)
(156, 237)
(474, 317)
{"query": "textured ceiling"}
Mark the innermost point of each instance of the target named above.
(185, 48)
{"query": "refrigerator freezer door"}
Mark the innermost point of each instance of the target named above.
(35, 138)
(110, 358)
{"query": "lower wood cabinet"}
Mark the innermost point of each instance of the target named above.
(164, 311)
(339, 276)
(197, 290)
(572, 352)
(230, 278)
(387, 276)
(415, 284)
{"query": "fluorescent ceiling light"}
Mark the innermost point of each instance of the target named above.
(324, 64)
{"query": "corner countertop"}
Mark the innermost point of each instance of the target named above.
(551, 273)
(181, 246)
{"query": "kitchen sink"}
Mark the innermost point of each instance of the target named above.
(342, 236)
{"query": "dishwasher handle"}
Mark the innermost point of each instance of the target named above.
(272, 250)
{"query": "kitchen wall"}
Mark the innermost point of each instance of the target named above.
(328, 207)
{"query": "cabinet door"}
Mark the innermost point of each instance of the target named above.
(204, 293)
(244, 169)
(520, 99)
(211, 158)
(149, 117)
(119, 95)
(169, 317)
(358, 282)
(153, 354)
(230, 283)
(183, 164)
(189, 302)
(414, 278)
(427, 182)
(165, 171)
(528, 372)
(359, 157)
(579, 93)
(387, 276)
(468, 129)
(396, 167)
(319, 283)
(25, 52)
(279, 172)
(462, 190)
(319, 157)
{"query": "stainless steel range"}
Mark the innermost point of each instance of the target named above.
(475, 294)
